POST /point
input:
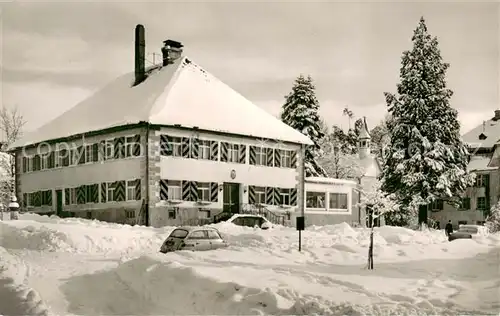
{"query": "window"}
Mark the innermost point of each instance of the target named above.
(481, 203)
(286, 159)
(465, 203)
(130, 214)
(179, 233)
(130, 189)
(260, 156)
(174, 190)
(109, 147)
(110, 192)
(437, 205)
(482, 180)
(44, 161)
(204, 213)
(132, 144)
(338, 201)
(175, 146)
(204, 149)
(260, 195)
(285, 196)
(172, 212)
(29, 164)
(213, 234)
(198, 234)
(73, 157)
(315, 199)
(204, 191)
(232, 153)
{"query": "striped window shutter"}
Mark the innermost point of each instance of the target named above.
(138, 189)
(25, 164)
(242, 153)
(293, 159)
(251, 194)
(214, 192)
(38, 198)
(165, 145)
(185, 147)
(48, 198)
(293, 197)
(277, 157)
(253, 155)
(186, 191)
(119, 194)
(224, 151)
(104, 192)
(277, 196)
(163, 190)
(195, 146)
(270, 157)
(194, 191)
(66, 197)
(81, 155)
(136, 149)
(119, 146)
(102, 150)
(80, 195)
(269, 195)
(214, 150)
(94, 193)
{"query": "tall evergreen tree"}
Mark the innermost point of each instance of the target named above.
(426, 160)
(300, 111)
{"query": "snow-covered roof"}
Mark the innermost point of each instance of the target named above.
(480, 163)
(325, 180)
(490, 129)
(179, 94)
(363, 133)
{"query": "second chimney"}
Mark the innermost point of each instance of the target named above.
(140, 54)
(497, 115)
(171, 51)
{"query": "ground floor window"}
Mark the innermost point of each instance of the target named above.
(204, 191)
(260, 195)
(174, 189)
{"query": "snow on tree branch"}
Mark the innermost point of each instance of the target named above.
(379, 202)
(337, 163)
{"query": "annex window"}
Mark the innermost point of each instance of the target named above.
(204, 191)
(286, 159)
(315, 199)
(338, 201)
(481, 203)
(174, 189)
(204, 149)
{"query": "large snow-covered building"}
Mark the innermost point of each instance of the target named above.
(484, 141)
(169, 145)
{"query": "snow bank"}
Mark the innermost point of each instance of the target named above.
(15, 297)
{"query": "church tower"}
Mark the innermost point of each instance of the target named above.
(364, 141)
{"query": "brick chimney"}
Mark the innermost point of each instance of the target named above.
(140, 54)
(497, 115)
(171, 51)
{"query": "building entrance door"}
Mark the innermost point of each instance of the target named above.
(231, 197)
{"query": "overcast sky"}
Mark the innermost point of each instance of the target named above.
(56, 54)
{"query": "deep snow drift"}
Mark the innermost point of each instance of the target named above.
(75, 266)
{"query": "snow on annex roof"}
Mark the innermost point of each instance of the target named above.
(179, 94)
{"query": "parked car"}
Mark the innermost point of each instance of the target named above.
(193, 238)
(251, 220)
(468, 232)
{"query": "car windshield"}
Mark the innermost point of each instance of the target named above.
(179, 233)
(470, 230)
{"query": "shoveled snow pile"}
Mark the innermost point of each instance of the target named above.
(87, 267)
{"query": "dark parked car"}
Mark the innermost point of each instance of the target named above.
(193, 238)
(468, 232)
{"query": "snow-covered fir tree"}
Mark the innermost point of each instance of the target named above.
(493, 220)
(426, 159)
(300, 111)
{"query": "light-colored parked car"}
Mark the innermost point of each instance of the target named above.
(251, 220)
(468, 232)
(193, 238)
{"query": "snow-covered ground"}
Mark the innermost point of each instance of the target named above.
(52, 266)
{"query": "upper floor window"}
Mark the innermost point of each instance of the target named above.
(204, 149)
(482, 180)
(286, 158)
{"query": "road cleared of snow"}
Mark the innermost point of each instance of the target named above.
(81, 267)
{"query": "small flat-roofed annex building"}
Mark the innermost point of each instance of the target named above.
(172, 143)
